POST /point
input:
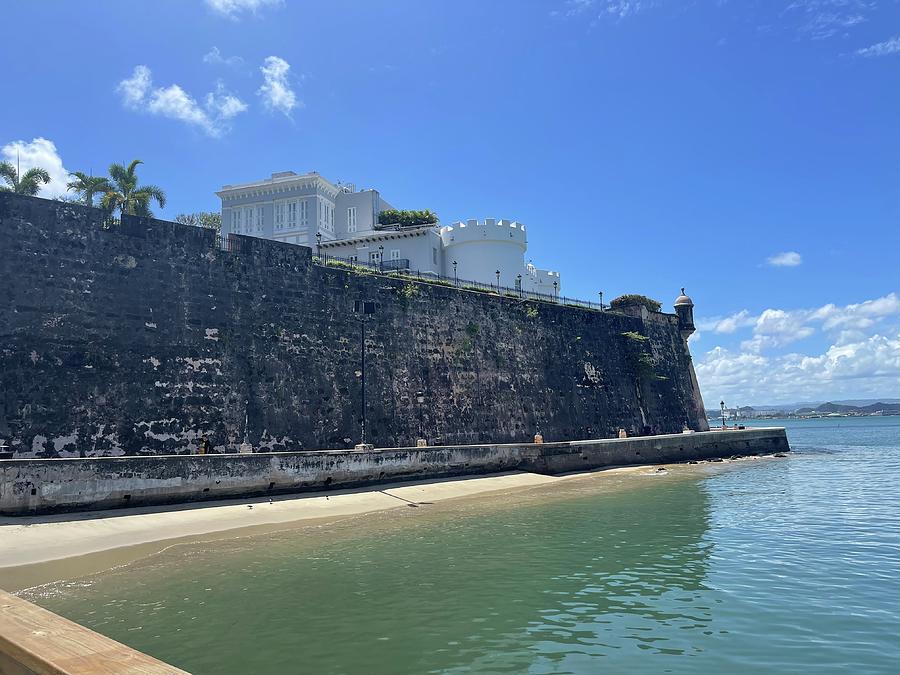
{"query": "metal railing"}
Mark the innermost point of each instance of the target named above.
(402, 270)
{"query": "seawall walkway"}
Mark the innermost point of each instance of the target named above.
(31, 486)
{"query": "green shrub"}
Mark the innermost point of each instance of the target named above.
(634, 299)
(406, 218)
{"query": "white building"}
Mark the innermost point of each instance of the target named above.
(339, 221)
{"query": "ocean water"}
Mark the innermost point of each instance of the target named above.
(779, 565)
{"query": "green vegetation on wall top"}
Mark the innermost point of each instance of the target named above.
(634, 299)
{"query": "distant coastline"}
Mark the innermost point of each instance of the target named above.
(887, 407)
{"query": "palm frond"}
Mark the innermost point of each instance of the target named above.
(8, 173)
(152, 192)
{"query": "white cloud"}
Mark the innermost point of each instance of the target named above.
(822, 19)
(276, 92)
(786, 259)
(891, 46)
(777, 328)
(42, 153)
(135, 88)
(730, 324)
(866, 367)
(862, 359)
(214, 57)
(859, 315)
(173, 102)
(224, 104)
(234, 9)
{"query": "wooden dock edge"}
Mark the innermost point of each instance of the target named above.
(35, 641)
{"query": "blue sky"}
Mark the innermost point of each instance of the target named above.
(746, 150)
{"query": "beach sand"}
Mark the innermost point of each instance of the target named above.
(42, 549)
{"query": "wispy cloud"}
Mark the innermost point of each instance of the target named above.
(40, 152)
(891, 46)
(822, 19)
(214, 57)
(600, 9)
(785, 259)
(173, 102)
(235, 9)
(276, 92)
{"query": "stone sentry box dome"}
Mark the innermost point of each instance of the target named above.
(684, 308)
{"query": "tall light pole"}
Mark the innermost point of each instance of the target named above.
(319, 246)
(600, 293)
(381, 258)
(722, 404)
(556, 290)
(519, 284)
(498, 281)
(455, 278)
(363, 308)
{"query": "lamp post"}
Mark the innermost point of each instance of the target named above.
(319, 246)
(722, 404)
(519, 284)
(455, 278)
(556, 290)
(498, 281)
(381, 258)
(600, 293)
(363, 308)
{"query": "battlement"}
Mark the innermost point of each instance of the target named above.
(489, 229)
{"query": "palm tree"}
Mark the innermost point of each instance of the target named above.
(87, 186)
(29, 183)
(125, 195)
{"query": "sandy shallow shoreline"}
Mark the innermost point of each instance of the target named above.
(42, 549)
(39, 550)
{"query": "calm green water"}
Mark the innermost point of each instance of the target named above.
(784, 565)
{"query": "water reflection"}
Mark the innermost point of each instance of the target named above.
(535, 582)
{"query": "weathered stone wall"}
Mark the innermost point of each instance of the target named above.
(143, 339)
(40, 485)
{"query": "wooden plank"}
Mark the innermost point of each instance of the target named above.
(35, 640)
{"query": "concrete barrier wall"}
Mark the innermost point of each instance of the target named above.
(43, 485)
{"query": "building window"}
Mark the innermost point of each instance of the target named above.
(303, 212)
(292, 214)
(434, 256)
(374, 257)
(235, 220)
(260, 214)
(354, 258)
(351, 219)
(279, 215)
(395, 254)
(248, 214)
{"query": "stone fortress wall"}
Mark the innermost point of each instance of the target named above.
(145, 338)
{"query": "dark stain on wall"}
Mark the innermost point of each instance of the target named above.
(145, 338)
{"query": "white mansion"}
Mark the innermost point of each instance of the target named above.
(340, 221)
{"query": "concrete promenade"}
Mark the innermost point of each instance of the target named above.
(32, 486)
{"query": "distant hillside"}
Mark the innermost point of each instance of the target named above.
(826, 408)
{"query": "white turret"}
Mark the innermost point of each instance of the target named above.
(482, 248)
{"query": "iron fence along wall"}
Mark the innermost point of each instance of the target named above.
(385, 269)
